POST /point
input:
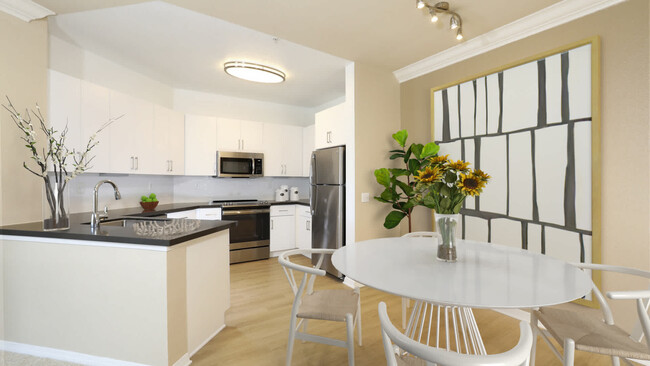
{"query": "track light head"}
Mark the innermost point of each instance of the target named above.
(434, 15)
(459, 34)
(454, 22)
(419, 4)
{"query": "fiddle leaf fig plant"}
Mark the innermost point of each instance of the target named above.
(399, 185)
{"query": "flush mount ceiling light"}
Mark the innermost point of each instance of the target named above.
(455, 22)
(253, 72)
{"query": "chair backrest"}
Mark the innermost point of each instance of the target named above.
(289, 267)
(517, 356)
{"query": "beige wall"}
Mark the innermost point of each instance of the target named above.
(625, 119)
(376, 119)
(23, 77)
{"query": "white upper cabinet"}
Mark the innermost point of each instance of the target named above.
(94, 115)
(283, 153)
(134, 132)
(169, 141)
(239, 135)
(200, 145)
(307, 148)
(64, 109)
(331, 127)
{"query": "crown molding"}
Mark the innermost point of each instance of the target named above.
(26, 10)
(557, 14)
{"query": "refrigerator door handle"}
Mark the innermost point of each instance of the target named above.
(312, 200)
(312, 170)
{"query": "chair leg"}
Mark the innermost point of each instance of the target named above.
(404, 306)
(533, 326)
(359, 322)
(304, 327)
(616, 361)
(349, 322)
(569, 351)
(292, 338)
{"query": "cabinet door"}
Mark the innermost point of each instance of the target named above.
(162, 141)
(292, 151)
(252, 136)
(228, 134)
(123, 133)
(95, 102)
(273, 146)
(330, 126)
(283, 233)
(200, 145)
(307, 148)
(65, 110)
(177, 142)
(303, 232)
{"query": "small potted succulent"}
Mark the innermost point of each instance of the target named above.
(148, 203)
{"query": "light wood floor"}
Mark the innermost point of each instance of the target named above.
(257, 326)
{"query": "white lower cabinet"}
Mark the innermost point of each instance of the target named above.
(303, 227)
(188, 214)
(212, 213)
(283, 227)
(290, 227)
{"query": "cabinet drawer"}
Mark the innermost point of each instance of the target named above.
(303, 210)
(283, 210)
(208, 213)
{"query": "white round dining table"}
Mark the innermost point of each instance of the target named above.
(485, 275)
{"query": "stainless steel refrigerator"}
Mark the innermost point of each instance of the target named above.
(327, 202)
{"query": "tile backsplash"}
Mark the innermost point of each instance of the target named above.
(174, 189)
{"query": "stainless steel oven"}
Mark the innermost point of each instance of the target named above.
(240, 164)
(249, 239)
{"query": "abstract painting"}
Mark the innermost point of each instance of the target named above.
(534, 127)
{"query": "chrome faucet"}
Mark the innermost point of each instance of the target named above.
(95, 217)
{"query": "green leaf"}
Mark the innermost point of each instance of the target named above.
(450, 177)
(381, 199)
(445, 204)
(406, 188)
(417, 150)
(409, 204)
(407, 154)
(393, 219)
(429, 202)
(400, 137)
(444, 190)
(414, 166)
(399, 172)
(398, 151)
(389, 195)
(395, 156)
(383, 177)
(458, 206)
(429, 149)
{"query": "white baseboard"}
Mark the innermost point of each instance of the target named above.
(183, 361)
(205, 342)
(61, 355)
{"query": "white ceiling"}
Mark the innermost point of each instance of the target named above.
(186, 50)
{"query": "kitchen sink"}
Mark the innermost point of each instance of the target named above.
(129, 221)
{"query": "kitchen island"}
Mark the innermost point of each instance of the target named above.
(112, 297)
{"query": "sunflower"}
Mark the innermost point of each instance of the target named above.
(459, 166)
(481, 175)
(429, 174)
(439, 159)
(470, 185)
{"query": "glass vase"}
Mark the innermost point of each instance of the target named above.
(56, 203)
(446, 225)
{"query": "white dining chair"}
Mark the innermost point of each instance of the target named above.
(340, 305)
(582, 330)
(411, 352)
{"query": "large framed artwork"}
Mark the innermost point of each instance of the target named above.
(534, 126)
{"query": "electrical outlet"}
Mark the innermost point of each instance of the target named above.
(365, 197)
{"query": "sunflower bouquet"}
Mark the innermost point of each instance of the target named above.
(443, 184)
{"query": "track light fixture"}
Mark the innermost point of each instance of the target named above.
(455, 21)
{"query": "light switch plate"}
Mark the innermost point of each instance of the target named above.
(365, 197)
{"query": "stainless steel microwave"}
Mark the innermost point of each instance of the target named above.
(240, 164)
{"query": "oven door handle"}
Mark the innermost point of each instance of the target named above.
(245, 212)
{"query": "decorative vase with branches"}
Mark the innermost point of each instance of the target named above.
(66, 163)
(399, 185)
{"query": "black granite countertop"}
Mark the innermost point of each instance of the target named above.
(80, 229)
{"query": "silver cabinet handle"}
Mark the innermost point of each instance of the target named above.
(132, 163)
(307, 225)
(171, 165)
(271, 224)
(238, 144)
(242, 144)
(137, 163)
